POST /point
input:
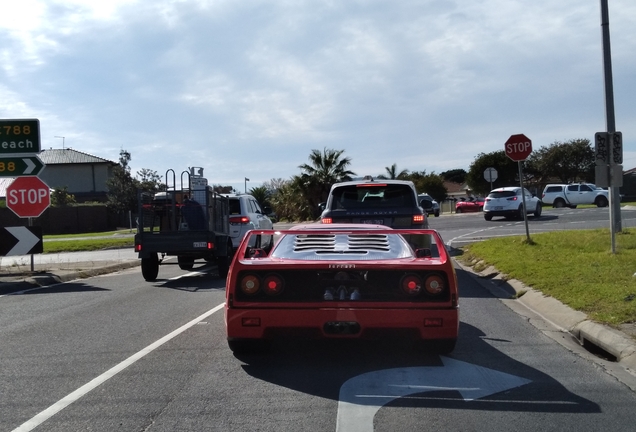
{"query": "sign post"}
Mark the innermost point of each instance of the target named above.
(490, 175)
(518, 148)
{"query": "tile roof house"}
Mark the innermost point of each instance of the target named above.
(83, 174)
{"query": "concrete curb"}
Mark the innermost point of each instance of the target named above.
(615, 342)
(47, 279)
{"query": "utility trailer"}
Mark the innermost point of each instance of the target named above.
(190, 222)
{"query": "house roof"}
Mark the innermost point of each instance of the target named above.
(70, 156)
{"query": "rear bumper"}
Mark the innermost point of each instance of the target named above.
(341, 323)
(512, 212)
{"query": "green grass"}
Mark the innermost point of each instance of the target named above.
(87, 245)
(88, 241)
(575, 267)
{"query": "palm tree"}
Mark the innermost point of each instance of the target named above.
(393, 174)
(327, 167)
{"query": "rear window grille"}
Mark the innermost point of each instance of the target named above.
(352, 243)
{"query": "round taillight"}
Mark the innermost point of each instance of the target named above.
(272, 284)
(434, 285)
(411, 284)
(250, 284)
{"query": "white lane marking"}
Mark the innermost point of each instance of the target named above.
(96, 382)
(362, 396)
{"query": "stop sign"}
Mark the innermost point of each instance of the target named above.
(28, 196)
(518, 147)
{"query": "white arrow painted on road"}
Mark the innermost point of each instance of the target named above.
(30, 166)
(26, 240)
(362, 396)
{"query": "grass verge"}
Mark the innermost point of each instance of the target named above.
(575, 267)
(87, 244)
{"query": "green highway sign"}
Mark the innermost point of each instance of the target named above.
(19, 136)
(19, 166)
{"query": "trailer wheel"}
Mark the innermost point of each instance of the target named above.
(150, 267)
(223, 262)
(185, 262)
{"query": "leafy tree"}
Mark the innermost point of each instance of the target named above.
(150, 181)
(290, 201)
(455, 175)
(569, 161)
(261, 194)
(327, 167)
(432, 184)
(122, 187)
(60, 197)
(507, 172)
(392, 173)
(223, 189)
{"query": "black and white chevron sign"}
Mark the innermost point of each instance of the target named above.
(20, 240)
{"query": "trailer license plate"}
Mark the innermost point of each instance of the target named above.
(199, 244)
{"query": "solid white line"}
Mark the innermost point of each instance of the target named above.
(86, 388)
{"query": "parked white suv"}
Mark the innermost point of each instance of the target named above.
(246, 214)
(571, 195)
(508, 202)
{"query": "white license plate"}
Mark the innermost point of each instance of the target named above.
(498, 208)
(199, 244)
(373, 221)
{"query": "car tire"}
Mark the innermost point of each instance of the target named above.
(480, 208)
(520, 212)
(436, 214)
(150, 267)
(558, 203)
(538, 210)
(487, 216)
(459, 210)
(601, 202)
(185, 262)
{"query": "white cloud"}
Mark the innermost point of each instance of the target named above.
(255, 85)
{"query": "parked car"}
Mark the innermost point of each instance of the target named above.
(428, 204)
(342, 281)
(471, 204)
(246, 214)
(571, 195)
(508, 202)
(392, 203)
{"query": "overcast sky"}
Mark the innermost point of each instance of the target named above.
(247, 88)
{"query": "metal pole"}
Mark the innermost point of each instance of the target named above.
(523, 198)
(32, 260)
(614, 193)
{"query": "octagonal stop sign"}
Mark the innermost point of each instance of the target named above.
(518, 147)
(28, 196)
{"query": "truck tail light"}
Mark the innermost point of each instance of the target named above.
(418, 219)
(327, 220)
(138, 247)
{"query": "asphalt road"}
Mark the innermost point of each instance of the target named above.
(117, 353)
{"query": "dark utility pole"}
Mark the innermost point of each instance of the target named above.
(614, 194)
